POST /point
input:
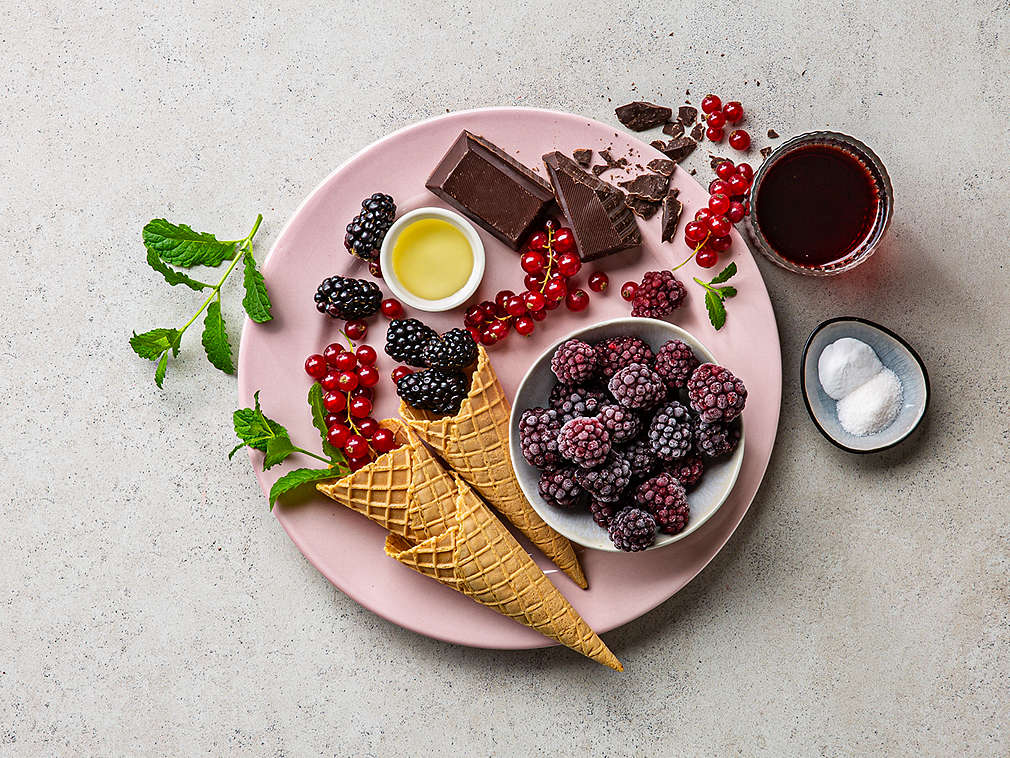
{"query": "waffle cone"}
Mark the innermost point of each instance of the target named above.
(474, 442)
(480, 558)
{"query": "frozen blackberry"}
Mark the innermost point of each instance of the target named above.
(561, 488)
(608, 481)
(455, 349)
(584, 441)
(347, 299)
(574, 362)
(674, 362)
(716, 440)
(622, 423)
(715, 394)
(538, 437)
(433, 390)
(572, 402)
(617, 352)
(671, 432)
(659, 295)
(688, 471)
(406, 339)
(632, 530)
(665, 498)
(637, 386)
(367, 230)
(602, 512)
(641, 457)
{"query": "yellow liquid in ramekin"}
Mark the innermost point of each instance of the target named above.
(432, 259)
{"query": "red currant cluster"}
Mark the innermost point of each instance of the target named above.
(708, 233)
(550, 260)
(718, 115)
(347, 379)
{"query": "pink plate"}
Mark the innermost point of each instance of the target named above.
(346, 547)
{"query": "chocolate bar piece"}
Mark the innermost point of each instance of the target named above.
(599, 219)
(651, 187)
(671, 215)
(644, 209)
(640, 115)
(491, 188)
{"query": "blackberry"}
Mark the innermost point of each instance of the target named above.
(347, 299)
(574, 362)
(608, 481)
(671, 432)
(367, 230)
(632, 530)
(405, 341)
(617, 352)
(622, 423)
(602, 512)
(688, 470)
(572, 402)
(584, 441)
(641, 457)
(664, 497)
(455, 349)
(715, 394)
(659, 295)
(538, 437)
(716, 440)
(637, 386)
(674, 362)
(561, 489)
(433, 390)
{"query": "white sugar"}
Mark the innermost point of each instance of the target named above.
(873, 406)
(845, 365)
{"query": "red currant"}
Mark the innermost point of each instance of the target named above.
(718, 187)
(331, 351)
(720, 244)
(356, 446)
(501, 298)
(524, 326)
(745, 171)
(738, 185)
(719, 226)
(538, 315)
(366, 355)
(474, 332)
(347, 381)
(535, 301)
(725, 169)
(629, 290)
(368, 376)
(360, 391)
(487, 337)
(706, 258)
(391, 308)
(355, 329)
(375, 269)
(736, 212)
(360, 407)
(713, 134)
(555, 289)
(367, 426)
(399, 372)
(334, 402)
(569, 264)
(532, 263)
(383, 440)
(564, 240)
(716, 120)
(695, 231)
(598, 281)
(538, 241)
(718, 204)
(344, 360)
(499, 329)
(332, 419)
(710, 104)
(516, 305)
(329, 382)
(315, 366)
(533, 282)
(356, 464)
(733, 111)
(338, 435)
(474, 316)
(577, 300)
(703, 214)
(489, 310)
(739, 139)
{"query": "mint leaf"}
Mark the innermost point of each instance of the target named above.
(256, 301)
(319, 422)
(725, 292)
(215, 339)
(255, 429)
(161, 370)
(278, 448)
(172, 276)
(152, 344)
(300, 476)
(716, 310)
(181, 246)
(725, 274)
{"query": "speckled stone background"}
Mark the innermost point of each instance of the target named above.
(149, 603)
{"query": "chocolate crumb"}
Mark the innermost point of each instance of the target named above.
(672, 208)
(661, 166)
(650, 187)
(583, 156)
(644, 209)
(686, 114)
(639, 115)
(674, 129)
(693, 171)
(698, 132)
(772, 134)
(765, 152)
(679, 148)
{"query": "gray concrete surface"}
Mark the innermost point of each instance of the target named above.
(149, 603)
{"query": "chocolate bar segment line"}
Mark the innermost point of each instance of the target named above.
(491, 188)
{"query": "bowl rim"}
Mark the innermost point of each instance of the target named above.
(806, 395)
(736, 460)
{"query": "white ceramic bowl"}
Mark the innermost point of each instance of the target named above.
(446, 303)
(578, 525)
(894, 353)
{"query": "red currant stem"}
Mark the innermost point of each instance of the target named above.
(550, 259)
(350, 342)
(693, 253)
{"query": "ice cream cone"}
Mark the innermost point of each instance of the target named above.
(474, 442)
(480, 558)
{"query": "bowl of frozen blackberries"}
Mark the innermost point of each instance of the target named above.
(628, 435)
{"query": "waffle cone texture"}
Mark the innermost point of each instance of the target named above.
(474, 442)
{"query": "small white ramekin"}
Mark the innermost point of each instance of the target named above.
(446, 303)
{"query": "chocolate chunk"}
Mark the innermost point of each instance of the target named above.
(765, 152)
(639, 116)
(698, 132)
(661, 166)
(686, 114)
(671, 214)
(651, 187)
(583, 156)
(772, 134)
(679, 148)
(491, 188)
(595, 210)
(674, 129)
(658, 144)
(610, 161)
(641, 207)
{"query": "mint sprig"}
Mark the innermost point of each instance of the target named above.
(715, 297)
(171, 245)
(257, 431)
